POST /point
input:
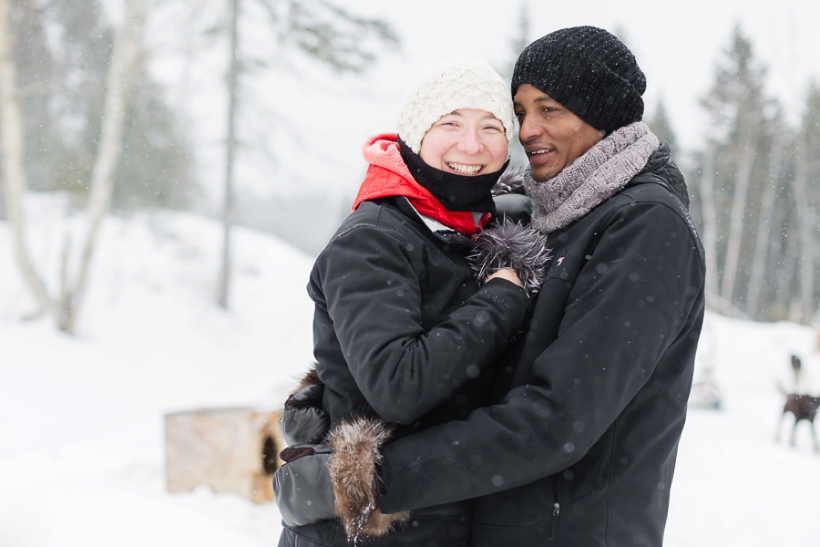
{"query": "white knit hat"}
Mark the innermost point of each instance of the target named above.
(447, 86)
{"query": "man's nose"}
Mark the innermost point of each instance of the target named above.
(528, 130)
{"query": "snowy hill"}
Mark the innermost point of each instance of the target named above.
(81, 453)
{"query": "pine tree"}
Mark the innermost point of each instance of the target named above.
(63, 88)
(740, 114)
(661, 125)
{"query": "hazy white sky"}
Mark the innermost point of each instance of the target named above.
(677, 45)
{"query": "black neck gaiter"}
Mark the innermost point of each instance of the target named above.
(455, 192)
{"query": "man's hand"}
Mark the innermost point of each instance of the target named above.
(338, 479)
(302, 487)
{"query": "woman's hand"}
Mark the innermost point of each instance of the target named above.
(508, 274)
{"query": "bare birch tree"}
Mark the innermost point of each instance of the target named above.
(707, 198)
(14, 172)
(766, 224)
(736, 217)
(124, 61)
(229, 205)
(804, 226)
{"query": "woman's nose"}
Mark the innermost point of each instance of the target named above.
(469, 143)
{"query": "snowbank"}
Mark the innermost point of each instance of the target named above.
(81, 454)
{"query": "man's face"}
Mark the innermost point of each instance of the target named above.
(552, 136)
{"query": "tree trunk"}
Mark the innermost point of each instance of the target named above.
(707, 191)
(120, 74)
(14, 173)
(787, 271)
(229, 207)
(804, 226)
(744, 174)
(764, 228)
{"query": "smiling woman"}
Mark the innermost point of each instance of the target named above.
(403, 333)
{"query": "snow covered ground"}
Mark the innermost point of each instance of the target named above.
(81, 437)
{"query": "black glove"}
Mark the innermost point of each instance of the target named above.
(304, 421)
(317, 475)
(302, 487)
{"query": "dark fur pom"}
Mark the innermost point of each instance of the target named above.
(511, 245)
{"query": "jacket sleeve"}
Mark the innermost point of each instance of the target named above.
(626, 307)
(371, 282)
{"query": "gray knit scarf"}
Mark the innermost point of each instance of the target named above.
(591, 179)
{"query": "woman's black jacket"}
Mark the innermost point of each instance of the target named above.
(402, 332)
(579, 448)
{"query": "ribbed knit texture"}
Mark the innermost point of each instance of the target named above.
(448, 86)
(589, 71)
(599, 174)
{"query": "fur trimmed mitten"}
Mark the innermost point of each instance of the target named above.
(511, 245)
(353, 474)
(304, 421)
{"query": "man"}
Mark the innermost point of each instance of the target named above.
(579, 445)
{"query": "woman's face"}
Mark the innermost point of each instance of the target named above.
(465, 142)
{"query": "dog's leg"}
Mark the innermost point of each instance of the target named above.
(814, 436)
(794, 430)
(779, 427)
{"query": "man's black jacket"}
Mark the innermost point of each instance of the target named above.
(580, 447)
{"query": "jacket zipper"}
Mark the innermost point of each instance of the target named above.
(556, 507)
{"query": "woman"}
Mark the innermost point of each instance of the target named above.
(402, 332)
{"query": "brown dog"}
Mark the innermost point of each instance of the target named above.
(804, 407)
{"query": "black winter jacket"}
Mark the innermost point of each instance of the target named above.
(402, 332)
(580, 447)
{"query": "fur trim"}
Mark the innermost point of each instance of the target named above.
(309, 379)
(511, 245)
(511, 181)
(352, 468)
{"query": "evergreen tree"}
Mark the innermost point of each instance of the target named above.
(735, 156)
(63, 88)
(661, 125)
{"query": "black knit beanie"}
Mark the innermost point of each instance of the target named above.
(587, 70)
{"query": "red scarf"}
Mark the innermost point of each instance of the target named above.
(389, 176)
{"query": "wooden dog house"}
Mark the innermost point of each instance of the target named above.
(228, 450)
